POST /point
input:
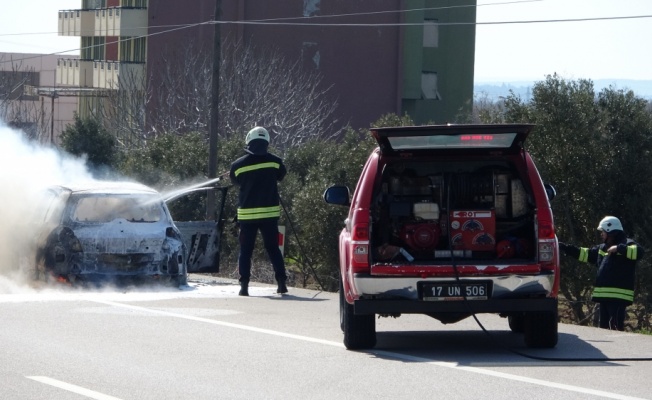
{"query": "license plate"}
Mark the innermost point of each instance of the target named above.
(449, 291)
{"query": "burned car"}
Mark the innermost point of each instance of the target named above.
(101, 231)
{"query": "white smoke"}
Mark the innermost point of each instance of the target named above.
(26, 170)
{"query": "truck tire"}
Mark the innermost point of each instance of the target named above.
(516, 322)
(359, 330)
(540, 329)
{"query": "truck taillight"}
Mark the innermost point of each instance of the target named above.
(547, 243)
(360, 232)
(546, 230)
(360, 247)
(546, 251)
(360, 255)
(547, 254)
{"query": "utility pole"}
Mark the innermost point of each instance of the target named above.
(215, 112)
(54, 96)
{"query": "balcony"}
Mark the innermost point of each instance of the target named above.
(76, 23)
(74, 72)
(118, 75)
(103, 22)
(100, 74)
(121, 22)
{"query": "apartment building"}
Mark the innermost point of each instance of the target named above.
(29, 98)
(380, 57)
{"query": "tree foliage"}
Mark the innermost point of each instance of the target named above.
(257, 87)
(170, 162)
(595, 150)
(593, 147)
(314, 227)
(87, 138)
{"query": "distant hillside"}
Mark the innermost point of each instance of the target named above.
(495, 90)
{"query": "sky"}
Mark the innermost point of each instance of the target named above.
(601, 49)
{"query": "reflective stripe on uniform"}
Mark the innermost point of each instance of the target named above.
(257, 166)
(584, 254)
(245, 214)
(613, 293)
(631, 252)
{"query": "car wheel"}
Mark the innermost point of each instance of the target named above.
(540, 329)
(180, 280)
(178, 270)
(44, 264)
(359, 330)
(516, 323)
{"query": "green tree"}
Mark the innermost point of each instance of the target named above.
(86, 137)
(595, 150)
(626, 148)
(314, 227)
(170, 162)
(313, 167)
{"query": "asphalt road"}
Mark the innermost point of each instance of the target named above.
(205, 342)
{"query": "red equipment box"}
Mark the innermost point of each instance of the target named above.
(473, 230)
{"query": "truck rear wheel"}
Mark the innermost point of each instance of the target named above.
(540, 329)
(516, 322)
(359, 330)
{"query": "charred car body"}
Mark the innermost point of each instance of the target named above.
(449, 221)
(112, 230)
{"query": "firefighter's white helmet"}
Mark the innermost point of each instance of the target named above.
(609, 224)
(257, 133)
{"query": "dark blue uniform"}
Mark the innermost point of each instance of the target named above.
(614, 285)
(257, 175)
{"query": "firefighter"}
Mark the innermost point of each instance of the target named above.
(616, 261)
(257, 174)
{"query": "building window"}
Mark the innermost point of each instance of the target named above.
(93, 4)
(134, 3)
(311, 7)
(310, 55)
(140, 49)
(429, 89)
(92, 48)
(133, 49)
(430, 33)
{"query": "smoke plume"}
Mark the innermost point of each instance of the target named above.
(26, 170)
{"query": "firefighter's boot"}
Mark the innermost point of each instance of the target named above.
(281, 287)
(244, 288)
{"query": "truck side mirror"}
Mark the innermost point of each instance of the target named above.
(338, 195)
(550, 191)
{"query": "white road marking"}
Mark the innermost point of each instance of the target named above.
(387, 354)
(221, 323)
(503, 375)
(72, 388)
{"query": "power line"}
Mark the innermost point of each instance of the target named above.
(438, 23)
(311, 17)
(285, 22)
(104, 44)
